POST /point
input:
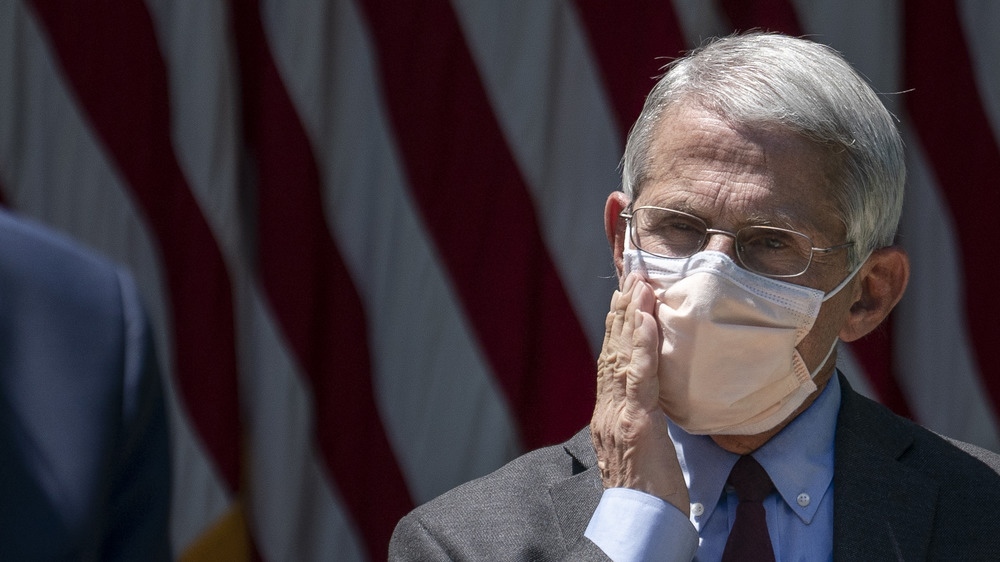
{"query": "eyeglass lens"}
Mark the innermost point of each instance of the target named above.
(761, 249)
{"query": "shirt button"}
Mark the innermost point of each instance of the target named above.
(697, 509)
(803, 499)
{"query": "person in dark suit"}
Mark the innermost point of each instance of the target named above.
(83, 433)
(762, 186)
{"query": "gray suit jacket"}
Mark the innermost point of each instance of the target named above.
(900, 493)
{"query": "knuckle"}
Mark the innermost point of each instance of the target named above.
(632, 425)
(612, 362)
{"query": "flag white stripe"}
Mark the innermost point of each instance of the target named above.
(939, 373)
(700, 20)
(284, 465)
(195, 42)
(868, 34)
(550, 102)
(425, 357)
(980, 21)
(297, 514)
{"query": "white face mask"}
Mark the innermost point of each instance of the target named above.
(728, 363)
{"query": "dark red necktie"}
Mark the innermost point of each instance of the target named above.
(749, 540)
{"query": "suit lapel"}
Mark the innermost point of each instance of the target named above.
(883, 510)
(575, 498)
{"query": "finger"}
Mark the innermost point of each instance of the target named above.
(609, 320)
(622, 343)
(619, 306)
(645, 297)
(614, 353)
(643, 386)
(603, 370)
(640, 299)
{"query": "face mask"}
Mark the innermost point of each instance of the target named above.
(728, 363)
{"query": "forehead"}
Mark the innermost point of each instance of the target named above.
(731, 177)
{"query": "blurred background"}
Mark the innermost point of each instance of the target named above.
(369, 232)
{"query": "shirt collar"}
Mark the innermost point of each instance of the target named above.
(799, 459)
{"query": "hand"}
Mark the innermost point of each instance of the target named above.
(629, 430)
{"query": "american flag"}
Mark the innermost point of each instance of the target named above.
(369, 232)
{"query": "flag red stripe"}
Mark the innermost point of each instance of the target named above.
(945, 98)
(109, 54)
(312, 295)
(631, 47)
(481, 217)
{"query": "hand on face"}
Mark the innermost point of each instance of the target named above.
(629, 430)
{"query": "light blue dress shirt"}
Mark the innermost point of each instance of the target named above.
(630, 525)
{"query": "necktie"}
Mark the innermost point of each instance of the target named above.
(749, 539)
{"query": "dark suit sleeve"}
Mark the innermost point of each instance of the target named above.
(139, 500)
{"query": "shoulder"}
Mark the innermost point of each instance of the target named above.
(34, 258)
(529, 508)
(72, 321)
(987, 457)
(935, 455)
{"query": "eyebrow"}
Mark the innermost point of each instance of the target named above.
(779, 219)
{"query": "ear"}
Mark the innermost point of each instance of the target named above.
(882, 281)
(614, 227)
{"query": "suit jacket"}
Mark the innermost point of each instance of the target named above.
(84, 469)
(900, 493)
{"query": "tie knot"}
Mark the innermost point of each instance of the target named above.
(750, 480)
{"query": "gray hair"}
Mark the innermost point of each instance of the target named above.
(765, 80)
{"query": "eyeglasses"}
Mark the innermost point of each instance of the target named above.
(767, 250)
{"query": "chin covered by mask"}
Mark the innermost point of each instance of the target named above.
(728, 361)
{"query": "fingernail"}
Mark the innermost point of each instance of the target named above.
(637, 321)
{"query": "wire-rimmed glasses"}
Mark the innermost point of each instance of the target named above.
(767, 250)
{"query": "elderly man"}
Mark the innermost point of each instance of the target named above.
(763, 183)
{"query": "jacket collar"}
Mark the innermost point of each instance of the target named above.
(883, 510)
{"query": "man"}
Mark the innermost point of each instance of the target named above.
(762, 185)
(83, 434)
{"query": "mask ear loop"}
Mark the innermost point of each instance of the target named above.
(816, 371)
(828, 296)
(846, 280)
